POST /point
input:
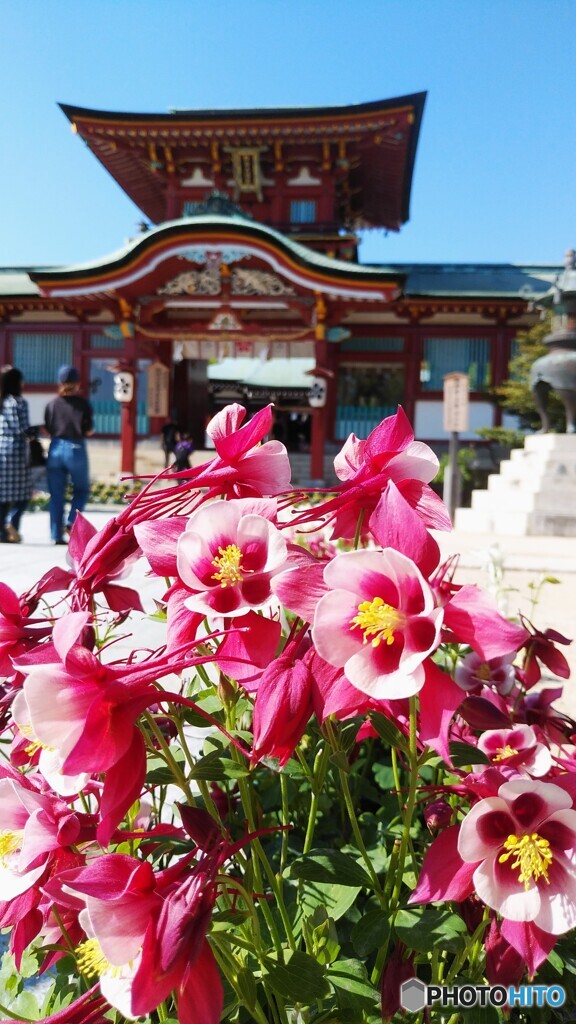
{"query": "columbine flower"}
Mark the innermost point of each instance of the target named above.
(146, 933)
(34, 826)
(18, 632)
(378, 622)
(540, 647)
(473, 672)
(365, 467)
(228, 555)
(283, 704)
(517, 748)
(246, 465)
(524, 844)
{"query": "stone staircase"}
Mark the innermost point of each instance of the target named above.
(534, 493)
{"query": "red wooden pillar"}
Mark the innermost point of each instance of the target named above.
(318, 433)
(318, 440)
(129, 409)
(412, 373)
(323, 419)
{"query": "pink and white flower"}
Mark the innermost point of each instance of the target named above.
(378, 622)
(34, 826)
(146, 933)
(365, 468)
(228, 554)
(524, 844)
(517, 748)
(473, 672)
(247, 464)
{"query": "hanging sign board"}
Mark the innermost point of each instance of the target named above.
(455, 403)
(158, 389)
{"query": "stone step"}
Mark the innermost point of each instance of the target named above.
(524, 500)
(495, 521)
(533, 494)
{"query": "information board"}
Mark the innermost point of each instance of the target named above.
(158, 389)
(455, 403)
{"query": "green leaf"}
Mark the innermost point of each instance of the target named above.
(370, 932)
(26, 1006)
(158, 772)
(384, 776)
(330, 866)
(352, 986)
(293, 769)
(340, 760)
(484, 1014)
(246, 983)
(225, 920)
(301, 980)
(556, 962)
(427, 928)
(464, 754)
(337, 899)
(215, 768)
(324, 937)
(389, 732)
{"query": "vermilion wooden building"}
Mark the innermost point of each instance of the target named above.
(248, 281)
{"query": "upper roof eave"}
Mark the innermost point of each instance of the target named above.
(118, 140)
(415, 100)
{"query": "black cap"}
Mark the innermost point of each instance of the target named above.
(68, 375)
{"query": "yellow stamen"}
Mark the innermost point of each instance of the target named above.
(483, 672)
(502, 753)
(10, 842)
(33, 748)
(532, 855)
(90, 959)
(378, 620)
(229, 565)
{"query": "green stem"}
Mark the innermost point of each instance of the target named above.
(285, 821)
(259, 857)
(396, 774)
(229, 966)
(470, 949)
(317, 783)
(392, 869)
(179, 776)
(410, 803)
(351, 812)
(358, 533)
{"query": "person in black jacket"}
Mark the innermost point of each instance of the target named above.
(68, 418)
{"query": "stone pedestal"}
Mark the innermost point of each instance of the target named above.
(534, 494)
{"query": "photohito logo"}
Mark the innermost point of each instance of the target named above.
(415, 995)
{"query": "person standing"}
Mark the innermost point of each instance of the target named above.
(69, 420)
(182, 452)
(15, 482)
(170, 436)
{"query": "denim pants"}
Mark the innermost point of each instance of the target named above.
(67, 460)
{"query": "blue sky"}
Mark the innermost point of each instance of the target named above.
(495, 171)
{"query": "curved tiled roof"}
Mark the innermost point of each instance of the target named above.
(305, 266)
(380, 137)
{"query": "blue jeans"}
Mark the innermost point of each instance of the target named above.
(67, 460)
(16, 513)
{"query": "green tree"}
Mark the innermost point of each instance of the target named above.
(514, 394)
